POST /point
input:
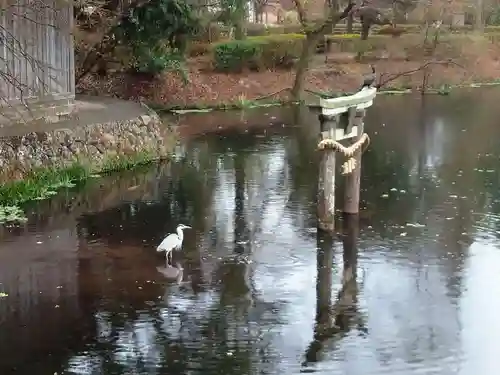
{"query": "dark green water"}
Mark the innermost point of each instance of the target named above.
(256, 290)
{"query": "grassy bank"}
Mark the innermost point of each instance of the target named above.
(43, 183)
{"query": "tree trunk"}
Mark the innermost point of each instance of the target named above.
(349, 25)
(365, 30)
(239, 27)
(479, 24)
(395, 15)
(239, 32)
(308, 48)
(310, 43)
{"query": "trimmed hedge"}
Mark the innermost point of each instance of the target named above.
(263, 30)
(216, 33)
(344, 42)
(258, 53)
(281, 51)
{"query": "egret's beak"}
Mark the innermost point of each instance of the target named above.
(187, 227)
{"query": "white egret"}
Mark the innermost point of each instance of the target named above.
(172, 242)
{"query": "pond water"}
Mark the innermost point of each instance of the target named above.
(413, 289)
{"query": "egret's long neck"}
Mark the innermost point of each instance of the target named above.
(180, 233)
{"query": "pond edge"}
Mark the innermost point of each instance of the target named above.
(36, 165)
(258, 103)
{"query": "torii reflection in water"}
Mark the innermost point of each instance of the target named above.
(334, 321)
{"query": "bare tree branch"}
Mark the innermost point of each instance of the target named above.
(301, 12)
(320, 26)
(425, 65)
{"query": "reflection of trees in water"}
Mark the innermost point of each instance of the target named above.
(222, 338)
(260, 179)
(241, 167)
(444, 204)
(210, 331)
(467, 138)
(302, 162)
(436, 200)
(267, 188)
(209, 328)
(383, 171)
(449, 223)
(181, 196)
(238, 301)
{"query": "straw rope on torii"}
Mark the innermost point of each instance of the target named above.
(350, 164)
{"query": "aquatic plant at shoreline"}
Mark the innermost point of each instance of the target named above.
(122, 162)
(12, 214)
(42, 184)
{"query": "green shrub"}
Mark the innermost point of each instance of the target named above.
(236, 55)
(158, 60)
(152, 63)
(258, 53)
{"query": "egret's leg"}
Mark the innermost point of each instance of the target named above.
(166, 256)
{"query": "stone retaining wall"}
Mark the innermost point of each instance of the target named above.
(92, 144)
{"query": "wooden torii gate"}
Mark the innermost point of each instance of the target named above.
(341, 119)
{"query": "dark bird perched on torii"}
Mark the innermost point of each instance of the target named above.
(369, 79)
